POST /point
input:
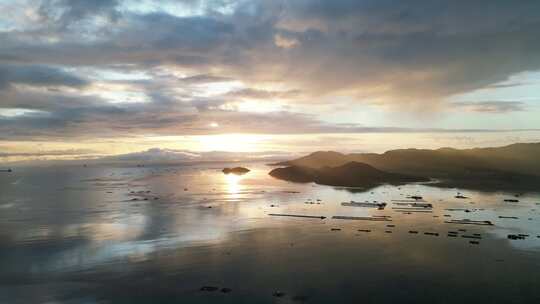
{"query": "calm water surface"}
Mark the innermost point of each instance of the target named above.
(158, 234)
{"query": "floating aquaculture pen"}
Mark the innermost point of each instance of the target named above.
(472, 237)
(517, 236)
(299, 215)
(470, 222)
(362, 218)
(415, 205)
(412, 210)
(380, 206)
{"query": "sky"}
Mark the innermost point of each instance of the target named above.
(87, 79)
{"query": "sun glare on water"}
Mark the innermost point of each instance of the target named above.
(233, 183)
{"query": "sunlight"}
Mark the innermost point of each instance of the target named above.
(230, 142)
(233, 183)
(217, 88)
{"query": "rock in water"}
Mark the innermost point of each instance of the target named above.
(236, 170)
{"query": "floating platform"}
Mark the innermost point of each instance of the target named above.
(472, 237)
(380, 206)
(470, 222)
(299, 215)
(420, 210)
(415, 205)
(362, 218)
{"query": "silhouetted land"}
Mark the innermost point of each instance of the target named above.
(351, 174)
(515, 166)
(235, 170)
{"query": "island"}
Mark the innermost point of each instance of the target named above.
(235, 170)
(351, 174)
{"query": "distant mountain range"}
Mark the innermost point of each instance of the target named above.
(171, 156)
(161, 156)
(513, 166)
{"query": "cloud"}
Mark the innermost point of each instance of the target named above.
(205, 78)
(262, 94)
(507, 85)
(68, 152)
(67, 12)
(383, 52)
(491, 107)
(285, 42)
(37, 75)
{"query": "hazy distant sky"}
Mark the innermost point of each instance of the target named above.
(85, 78)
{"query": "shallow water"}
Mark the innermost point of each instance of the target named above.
(158, 234)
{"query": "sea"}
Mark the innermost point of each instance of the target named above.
(192, 234)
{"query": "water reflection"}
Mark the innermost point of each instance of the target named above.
(233, 184)
(68, 225)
